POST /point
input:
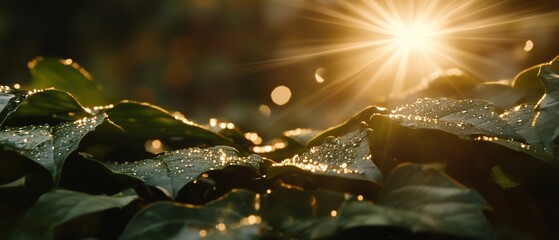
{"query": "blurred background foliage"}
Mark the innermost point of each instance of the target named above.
(204, 57)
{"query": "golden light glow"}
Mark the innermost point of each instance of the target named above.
(528, 46)
(253, 137)
(388, 46)
(333, 213)
(154, 146)
(265, 110)
(221, 227)
(281, 95)
(319, 75)
(360, 197)
(413, 37)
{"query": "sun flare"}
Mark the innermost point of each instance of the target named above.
(381, 48)
(406, 40)
(413, 37)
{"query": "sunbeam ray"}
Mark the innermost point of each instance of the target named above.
(391, 46)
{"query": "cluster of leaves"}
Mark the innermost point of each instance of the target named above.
(73, 167)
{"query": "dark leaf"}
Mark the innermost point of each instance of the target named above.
(421, 199)
(84, 174)
(67, 76)
(59, 206)
(166, 220)
(547, 109)
(528, 79)
(348, 126)
(240, 214)
(147, 121)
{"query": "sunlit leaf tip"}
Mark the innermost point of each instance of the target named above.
(67, 75)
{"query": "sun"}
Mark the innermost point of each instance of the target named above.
(413, 37)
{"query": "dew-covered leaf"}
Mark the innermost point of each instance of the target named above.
(38, 106)
(342, 164)
(68, 76)
(10, 100)
(455, 84)
(421, 199)
(471, 120)
(461, 117)
(166, 220)
(59, 206)
(34, 142)
(172, 170)
(46, 145)
(520, 119)
(147, 121)
(84, 174)
(346, 156)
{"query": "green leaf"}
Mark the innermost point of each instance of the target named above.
(421, 199)
(166, 220)
(68, 76)
(84, 174)
(555, 62)
(38, 106)
(502, 95)
(9, 102)
(147, 121)
(342, 163)
(520, 120)
(46, 145)
(20, 182)
(528, 79)
(348, 126)
(347, 156)
(59, 206)
(547, 110)
(172, 170)
(462, 117)
(471, 120)
(301, 214)
(240, 214)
